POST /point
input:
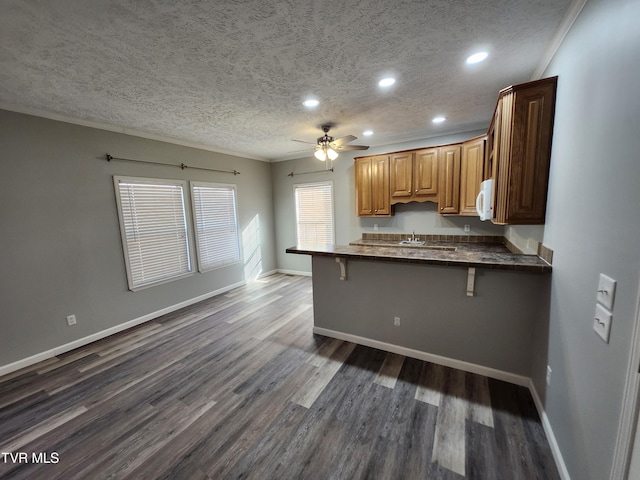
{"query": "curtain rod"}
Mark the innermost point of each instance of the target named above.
(181, 165)
(315, 171)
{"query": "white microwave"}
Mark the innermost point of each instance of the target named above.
(483, 202)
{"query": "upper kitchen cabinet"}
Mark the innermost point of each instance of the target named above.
(372, 186)
(414, 176)
(449, 179)
(519, 151)
(471, 174)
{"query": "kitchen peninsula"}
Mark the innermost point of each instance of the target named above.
(469, 303)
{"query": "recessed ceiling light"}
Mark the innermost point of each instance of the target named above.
(367, 133)
(387, 82)
(311, 103)
(477, 58)
(438, 119)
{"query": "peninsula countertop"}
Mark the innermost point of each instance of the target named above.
(490, 255)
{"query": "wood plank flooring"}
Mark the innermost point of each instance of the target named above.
(237, 387)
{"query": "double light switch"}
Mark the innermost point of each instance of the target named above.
(602, 317)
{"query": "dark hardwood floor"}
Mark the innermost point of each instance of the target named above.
(238, 387)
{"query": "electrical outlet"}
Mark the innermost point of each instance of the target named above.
(396, 321)
(467, 228)
(71, 320)
(549, 375)
(375, 227)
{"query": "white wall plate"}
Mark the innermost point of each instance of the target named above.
(602, 322)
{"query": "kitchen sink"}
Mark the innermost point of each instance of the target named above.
(421, 244)
(411, 242)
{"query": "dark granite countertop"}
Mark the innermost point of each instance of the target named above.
(490, 255)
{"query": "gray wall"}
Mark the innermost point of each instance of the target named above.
(421, 217)
(593, 226)
(491, 329)
(61, 251)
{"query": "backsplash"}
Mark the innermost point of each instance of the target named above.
(545, 253)
(435, 238)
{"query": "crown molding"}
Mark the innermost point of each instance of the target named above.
(567, 22)
(126, 131)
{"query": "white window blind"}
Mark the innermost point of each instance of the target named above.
(154, 230)
(214, 211)
(314, 213)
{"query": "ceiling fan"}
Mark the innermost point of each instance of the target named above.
(328, 147)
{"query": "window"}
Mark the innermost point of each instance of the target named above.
(154, 230)
(314, 213)
(214, 212)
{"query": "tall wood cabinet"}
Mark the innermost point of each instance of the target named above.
(449, 179)
(520, 151)
(372, 186)
(413, 176)
(471, 174)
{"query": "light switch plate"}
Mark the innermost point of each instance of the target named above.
(602, 322)
(606, 291)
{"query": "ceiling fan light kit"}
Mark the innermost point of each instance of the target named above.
(327, 147)
(324, 153)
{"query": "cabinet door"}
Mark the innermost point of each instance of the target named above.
(502, 164)
(530, 154)
(380, 185)
(471, 175)
(401, 172)
(449, 179)
(425, 172)
(526, 128)
(364, 200)
(372, 186)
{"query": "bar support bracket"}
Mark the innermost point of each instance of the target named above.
(471, 280)
(343, 267)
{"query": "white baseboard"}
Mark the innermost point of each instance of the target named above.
(39, 357)
(294, 272)
(268, 274)
(553, 443)
(429, 357)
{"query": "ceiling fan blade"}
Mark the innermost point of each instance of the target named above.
(339, 141)
(298, 151)
(353, 147)
(303, 141)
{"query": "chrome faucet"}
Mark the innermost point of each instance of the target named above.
(413, 236)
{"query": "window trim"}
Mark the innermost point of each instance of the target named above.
(233, 187)
(333, 213)
(117, 179)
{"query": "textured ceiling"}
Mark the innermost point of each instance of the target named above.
(231, 75)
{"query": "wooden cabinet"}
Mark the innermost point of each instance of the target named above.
(449, 179)
(471, 174)
(414, 176)
(425, 174)
(515, 153)
(372, 186)
(520, 138)
(401, 177)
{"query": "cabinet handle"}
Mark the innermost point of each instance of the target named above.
(376, 210)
